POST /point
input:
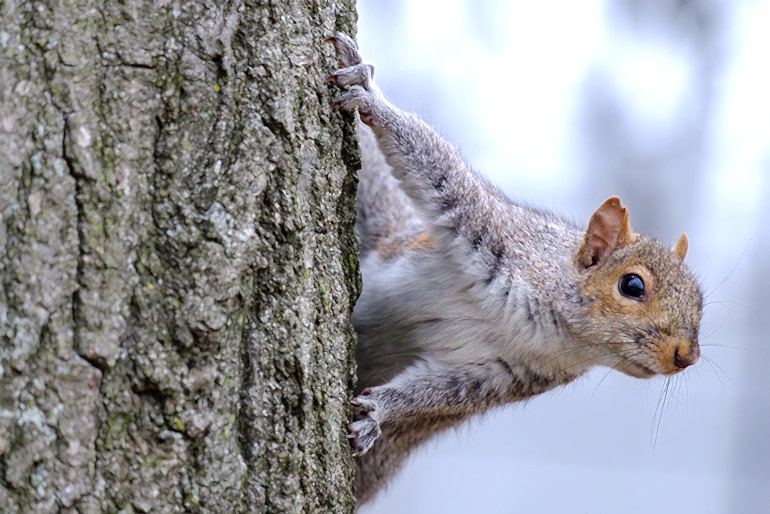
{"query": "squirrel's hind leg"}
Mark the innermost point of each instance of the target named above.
(386, 219)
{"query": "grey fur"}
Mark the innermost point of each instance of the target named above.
(472, 301)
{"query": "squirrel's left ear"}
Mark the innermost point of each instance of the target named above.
(608, 230)
(680, 247)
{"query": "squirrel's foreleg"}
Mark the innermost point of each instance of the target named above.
(451, 198)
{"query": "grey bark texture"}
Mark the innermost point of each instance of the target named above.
(178, 261)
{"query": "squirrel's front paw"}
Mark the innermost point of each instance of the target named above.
(346, 48)
(357, 96)
(358, 76)
(365, 428)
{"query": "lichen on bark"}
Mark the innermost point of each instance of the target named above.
(178, 261)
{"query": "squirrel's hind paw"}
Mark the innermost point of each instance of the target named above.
(365, 429)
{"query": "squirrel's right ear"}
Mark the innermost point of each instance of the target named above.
(608, 229)
(680, 248)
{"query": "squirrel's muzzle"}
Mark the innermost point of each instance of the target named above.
(683, 353)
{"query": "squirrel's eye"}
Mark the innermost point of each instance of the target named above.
(632, 286)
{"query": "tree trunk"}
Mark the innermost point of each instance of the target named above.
(179, 264)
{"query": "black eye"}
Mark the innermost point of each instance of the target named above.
(632, 286)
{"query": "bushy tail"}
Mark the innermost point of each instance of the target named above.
(386, 220)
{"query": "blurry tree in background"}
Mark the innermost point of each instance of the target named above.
(178, 261)
(751, 418)
(650, 157)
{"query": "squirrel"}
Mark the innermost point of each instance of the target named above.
(472, 301)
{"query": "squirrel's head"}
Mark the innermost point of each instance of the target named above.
(640, 306)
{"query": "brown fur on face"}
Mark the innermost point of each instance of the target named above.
(655, 335)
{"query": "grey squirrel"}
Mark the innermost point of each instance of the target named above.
(472, 301)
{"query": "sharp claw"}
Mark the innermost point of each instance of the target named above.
(332, 39)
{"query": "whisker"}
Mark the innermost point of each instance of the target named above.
(731, 271)
(720, 326)
(655, 414)
(726, 347)
(707, 361)
(677, 390)
(605, 355)
(659, 410)
(616, 367)
(731, 302)
(714, 363)
(699, 375)
(597, 386)
(563, 353)
(558, 355)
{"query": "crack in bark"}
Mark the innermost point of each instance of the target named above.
(80, 219)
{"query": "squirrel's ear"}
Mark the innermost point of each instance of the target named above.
(608, 229)
(680, 247)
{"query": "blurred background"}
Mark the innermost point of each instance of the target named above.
(667, 104)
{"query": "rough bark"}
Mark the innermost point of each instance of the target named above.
(178, 260)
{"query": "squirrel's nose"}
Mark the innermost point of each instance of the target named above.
(686, 354)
